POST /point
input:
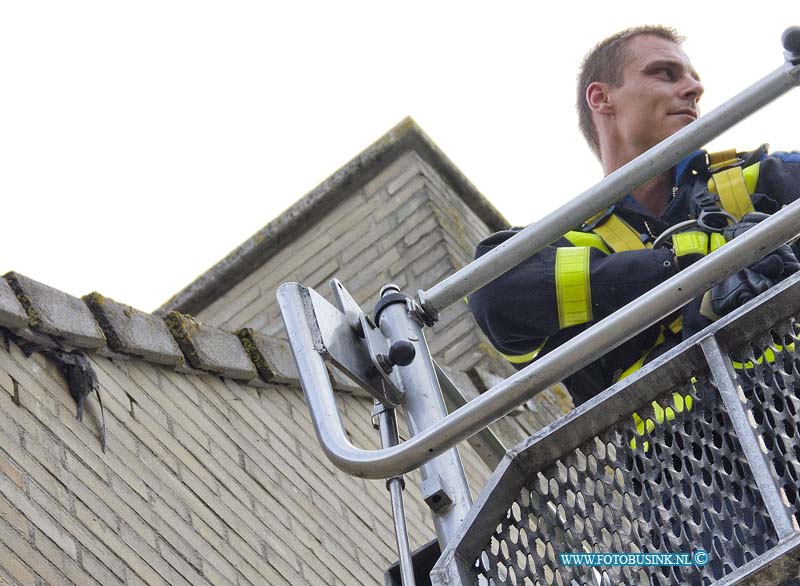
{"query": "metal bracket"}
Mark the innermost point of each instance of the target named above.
(353, 344)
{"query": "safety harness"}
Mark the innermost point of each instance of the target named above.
(725, 195)
(727, 190)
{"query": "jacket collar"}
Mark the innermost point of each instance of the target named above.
(695, 161)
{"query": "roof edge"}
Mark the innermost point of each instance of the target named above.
(38, 317)
(280, 232)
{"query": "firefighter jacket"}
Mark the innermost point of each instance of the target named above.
(533, 308)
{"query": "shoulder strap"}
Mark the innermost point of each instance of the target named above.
(732, 183)
(615, 232)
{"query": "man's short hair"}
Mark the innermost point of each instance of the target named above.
(604, 63)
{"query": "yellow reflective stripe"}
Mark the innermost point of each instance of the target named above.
(639, 363)
(692, 242)
(769, 354)
(680, 403)
(632, 368)
(619, 235)
(573, 290)
(585, 239)
(676, 326)
(715, 241)
(523, 358)
(721, 158)
(751, 177)
(731, 187)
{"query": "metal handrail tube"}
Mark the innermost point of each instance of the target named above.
(613, 187)
(545, 371)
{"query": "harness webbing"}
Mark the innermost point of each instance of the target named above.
(618, 234)
(731, 186)
(608, 232)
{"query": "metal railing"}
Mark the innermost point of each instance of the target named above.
(581, 350)
(709, 461)
(390, 358)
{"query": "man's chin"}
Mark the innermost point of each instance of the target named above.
(681, 120)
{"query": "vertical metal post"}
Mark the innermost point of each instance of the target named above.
(444, 484)
(724, 378)
(388, 428)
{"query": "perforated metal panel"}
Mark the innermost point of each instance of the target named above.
(699, 450)
(670, 480)
(769, 374)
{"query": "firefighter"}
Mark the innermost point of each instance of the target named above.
(635, 89)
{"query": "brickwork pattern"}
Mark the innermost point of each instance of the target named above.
(405, 226)
(212, 473)
(205, 481)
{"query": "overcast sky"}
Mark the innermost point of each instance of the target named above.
(140, 142)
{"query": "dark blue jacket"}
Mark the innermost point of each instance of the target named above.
(518, 311)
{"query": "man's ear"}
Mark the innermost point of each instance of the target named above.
(598, 97)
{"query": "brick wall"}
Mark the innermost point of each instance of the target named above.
(407, 226)
(204, 481)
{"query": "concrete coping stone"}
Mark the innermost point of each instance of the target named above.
(271, 356)
(210, 349)
(40, 339)
(131, 331)
(51, 318)
(274, 362)
(56, 313)
(12, 314)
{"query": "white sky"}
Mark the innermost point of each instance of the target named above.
(140, 142)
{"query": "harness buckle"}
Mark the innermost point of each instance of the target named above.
(718, 225)
(598, 219)
(724, 165)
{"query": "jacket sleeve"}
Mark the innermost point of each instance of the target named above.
(519, 310)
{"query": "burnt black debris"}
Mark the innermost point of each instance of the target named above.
(77, 370)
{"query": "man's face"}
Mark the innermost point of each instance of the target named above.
(659, 93)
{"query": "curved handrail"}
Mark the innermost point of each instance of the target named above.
(547, 370)
(298, 312)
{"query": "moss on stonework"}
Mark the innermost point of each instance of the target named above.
(246, 337)
(34, 318)
(94, 299)
(96, 304)
(181, 327)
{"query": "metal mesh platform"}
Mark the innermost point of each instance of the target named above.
(769, 374)
(699, 450)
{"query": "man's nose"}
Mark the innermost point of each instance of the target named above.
(693, 88)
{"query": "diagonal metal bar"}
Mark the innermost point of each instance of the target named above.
(485, 442)
(304, 338)
(779, 564)
(725, 381)
(652, 163)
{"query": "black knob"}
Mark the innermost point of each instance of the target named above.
(791, 39)
(402, 353)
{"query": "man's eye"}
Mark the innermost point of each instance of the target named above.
(667, 73)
